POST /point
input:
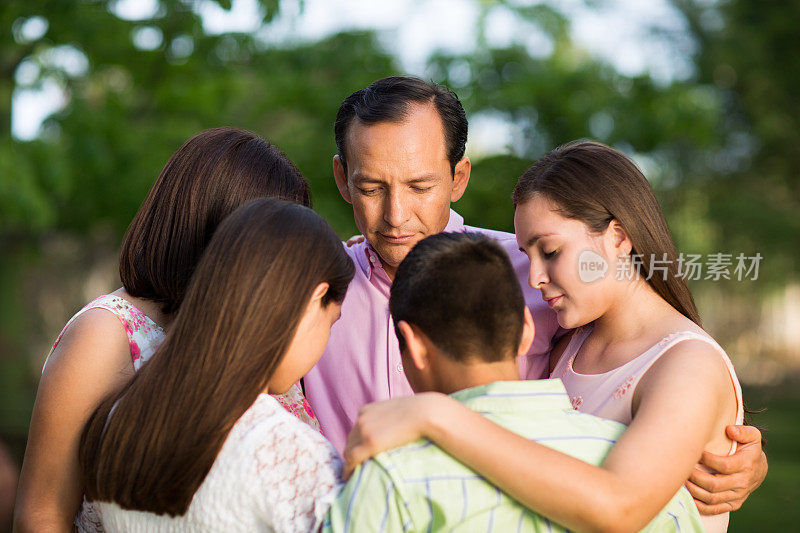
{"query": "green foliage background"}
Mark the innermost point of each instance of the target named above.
(719, 147)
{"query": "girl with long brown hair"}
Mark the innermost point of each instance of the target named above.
(602, 255)
(194, 441)
(108, 340)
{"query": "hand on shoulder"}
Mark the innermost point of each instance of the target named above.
(391, 423)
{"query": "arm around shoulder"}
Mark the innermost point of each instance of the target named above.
(643, 471)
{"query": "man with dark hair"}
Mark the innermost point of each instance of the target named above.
(400, 163)
(461, 321)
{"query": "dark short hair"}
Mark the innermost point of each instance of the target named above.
(461, 291)
(388, 99)
(207, 178)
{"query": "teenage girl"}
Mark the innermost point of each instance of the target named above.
(195, 442)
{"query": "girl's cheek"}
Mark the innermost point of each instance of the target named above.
(562, 266)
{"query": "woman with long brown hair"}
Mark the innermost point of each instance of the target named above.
(194, 441)
(601, 253)
(108, 340)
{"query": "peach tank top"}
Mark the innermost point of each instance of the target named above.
(610, 394)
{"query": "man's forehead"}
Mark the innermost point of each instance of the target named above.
(420, 129)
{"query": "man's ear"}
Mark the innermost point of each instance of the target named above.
(620, 239)
(528, 332)
(460, 179)
(415, 344)
(340, 176)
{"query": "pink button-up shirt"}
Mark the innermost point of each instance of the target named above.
(362, 363)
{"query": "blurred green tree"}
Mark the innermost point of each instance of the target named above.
(747, 51)
(569, 94)
(135, 91)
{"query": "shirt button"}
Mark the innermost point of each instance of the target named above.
(373, 260)
(399, 367)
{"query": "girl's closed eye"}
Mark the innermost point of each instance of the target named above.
(550, 255)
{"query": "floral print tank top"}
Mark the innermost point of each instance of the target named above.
(144, 337)
(610, 394)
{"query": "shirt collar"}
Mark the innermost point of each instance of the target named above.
(516, 396)
(455, 223)
(369, 260)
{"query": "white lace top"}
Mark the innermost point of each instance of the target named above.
(274, 473)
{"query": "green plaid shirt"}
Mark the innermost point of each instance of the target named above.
(419, 487)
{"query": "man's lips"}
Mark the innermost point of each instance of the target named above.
(397, 239)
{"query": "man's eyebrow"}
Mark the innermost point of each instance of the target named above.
(361, 178)
(424, 178)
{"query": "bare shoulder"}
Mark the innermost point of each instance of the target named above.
(693, 369)
(94, 346)
(692, 376)
(91, 361)
(690, 364)
(693, 359)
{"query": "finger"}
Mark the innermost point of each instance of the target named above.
(718, 508)
(715, 482)
(355, 239)
(711, 498)
(348, 471)
(697, 492)
(355, 455)
(720, 482)
(727, 464)
(744, 434)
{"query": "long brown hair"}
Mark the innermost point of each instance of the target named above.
(208, 177)
(240, 313)
(596, 184)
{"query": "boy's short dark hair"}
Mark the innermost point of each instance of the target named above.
(388, 99)
(461, 291)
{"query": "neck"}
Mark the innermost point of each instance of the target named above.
(633, 313)
(148, 307)
(390, 270)
(455, 376)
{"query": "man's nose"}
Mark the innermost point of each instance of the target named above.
(396, 209)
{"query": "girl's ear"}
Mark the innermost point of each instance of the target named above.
(319, 292)
(620, 240)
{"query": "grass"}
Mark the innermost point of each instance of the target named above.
(775, 506)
